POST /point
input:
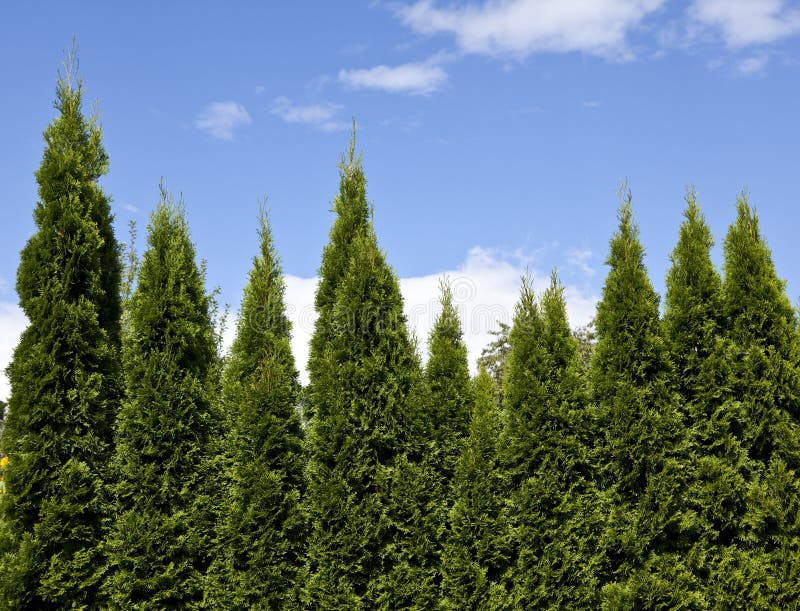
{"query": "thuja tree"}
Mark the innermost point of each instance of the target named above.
(159, 545)
(64, 374)
(554, 506)
(717, 465)
(352, 219)
(473, 557)
(261, 530)
(648, 526)
(762, 570)
(447, 376)
(365, 427)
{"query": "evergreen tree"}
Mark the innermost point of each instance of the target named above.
(262, 528)
(473, 555)
(494, 356)
(648, 527)
(761, 568)
(352, 219)
(64, 375)
(365, 428)
(554, 506)
(717, 465)
(447, 376)
(160, 544)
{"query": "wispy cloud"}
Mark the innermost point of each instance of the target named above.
(744, 23)
(260, 89)
(591, 103)
(130, 208)
(519, 28)
(755, 64)
(415, 78)
(579, 258)
(324, 116)
(221, 119)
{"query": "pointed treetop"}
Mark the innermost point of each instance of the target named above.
(755, 298)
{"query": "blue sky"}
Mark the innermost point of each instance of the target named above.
(494, 134)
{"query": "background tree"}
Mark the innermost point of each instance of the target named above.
(261, 533)
(548, 445)
(473, 554)
(64, 375)
(493, 357)
(160, 544)
(447, 376)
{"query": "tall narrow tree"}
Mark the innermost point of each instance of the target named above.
(447, 376)
(364, 423)
(352, 219)
(64, 375)
(554, 506)
(717, 465)
(762, 568)
(261, 534)
(473, 556)
(159, 546)
(643, 434)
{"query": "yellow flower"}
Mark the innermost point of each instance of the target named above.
(4, 461)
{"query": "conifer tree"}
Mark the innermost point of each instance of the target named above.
(473, 555)
(365, 428)
(548, 444)
(261, 533)
(717, 465)
(447, 376)
(352, 219)
(693, 306)
(160, 544)
(64, 375)
(760, 568)
(648, 526)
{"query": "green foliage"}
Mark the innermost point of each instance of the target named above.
(364, 429)
(473, 557)
(554, 506)
(759, 566)
(643, 443)
(447, 376)
(160, 542)
(64, 375)
(261, 530)
(352, 219)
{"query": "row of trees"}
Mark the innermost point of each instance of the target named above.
(147, 471)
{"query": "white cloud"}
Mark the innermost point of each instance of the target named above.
(260, 89)
(752, 65)
(323, 116)
(12, 323)
(747, 22)
(130, 208)
(485, 288)
(519, 28)
(591, 103)
(221, 119)
(421, 78)
(579, 258)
